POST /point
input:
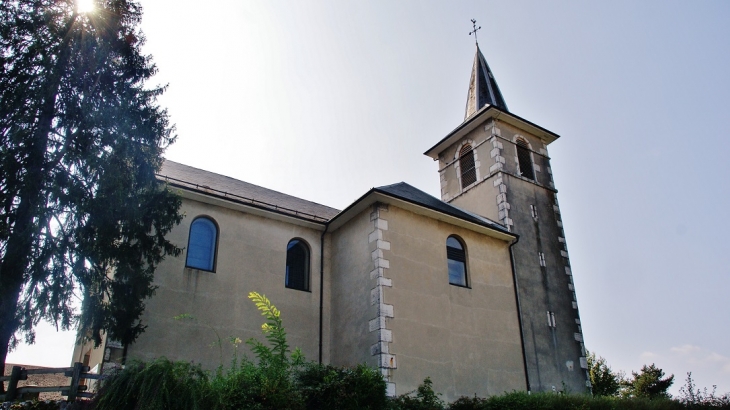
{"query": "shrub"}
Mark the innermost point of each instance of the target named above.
(249, 386)
(160, 384)
(328, 387)
(694, 398)
(424, 398)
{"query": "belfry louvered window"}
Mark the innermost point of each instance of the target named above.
(524, 159)
(202, 244)
(456, 259)
(297, 265)
(468, 169)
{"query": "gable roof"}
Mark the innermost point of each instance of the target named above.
(409, 193)
(221, 186)
(413, 199)
(209, 184)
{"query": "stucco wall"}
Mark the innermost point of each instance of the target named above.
(554, 349)
(251, 257)
(486, 156)
(351, 285)
(466, 339)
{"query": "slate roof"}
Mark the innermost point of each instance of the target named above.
(483, 88)
(411, 194)
(221, 186)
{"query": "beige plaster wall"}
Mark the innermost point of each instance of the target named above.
(466, 340)
(452, 190)
(448, 162)
(96, 355)
(251, 257)
(481, 201)
(508, 133)
(351, 285)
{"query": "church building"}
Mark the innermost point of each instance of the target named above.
(473, 290)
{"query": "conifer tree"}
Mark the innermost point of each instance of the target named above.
(81, 138)
(649, 383)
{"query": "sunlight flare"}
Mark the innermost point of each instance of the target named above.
(85, 6)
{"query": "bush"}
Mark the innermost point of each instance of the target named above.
(552, 401)
(694, 398)
(251, 386)
(328, 387)
(424, 398)
(160, 384)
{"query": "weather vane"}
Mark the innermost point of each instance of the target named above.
(474, 24)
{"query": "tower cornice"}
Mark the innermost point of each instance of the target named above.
(482, 116)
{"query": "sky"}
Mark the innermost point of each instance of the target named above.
(325, 99)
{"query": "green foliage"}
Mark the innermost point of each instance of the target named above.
(603, 380)
(424, 398)
(327, 387)
(247, 385)
(694, 398)
(276, 355)
(268, 384)
(158, 385)
(280, 380)
(81, 137)
(164, 384)
(469, 403)
(648, 383)
(552, 401)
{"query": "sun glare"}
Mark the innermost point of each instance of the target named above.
(85, 6)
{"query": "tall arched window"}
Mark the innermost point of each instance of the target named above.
(524, 159)
(202, 244)
(468, 168)
(456, 258)
(297, 265)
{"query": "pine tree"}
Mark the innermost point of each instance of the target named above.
(649, 383)
(81, 138)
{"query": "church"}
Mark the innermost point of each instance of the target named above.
(473, 290)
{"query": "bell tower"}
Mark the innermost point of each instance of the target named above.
(496, 164)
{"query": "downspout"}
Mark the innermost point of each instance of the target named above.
(321, 288)
(519, 311)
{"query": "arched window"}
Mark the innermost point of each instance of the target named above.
(297, 265)
(524, 159)
(468, 168)
(202, 244)
(456, 257)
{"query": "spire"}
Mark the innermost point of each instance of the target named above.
(483, 87)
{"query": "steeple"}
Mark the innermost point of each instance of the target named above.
(483, 87)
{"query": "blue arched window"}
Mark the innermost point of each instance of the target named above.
(456, 257)
(202, 244)
(297, 265)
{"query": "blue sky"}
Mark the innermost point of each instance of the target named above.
(324, 100)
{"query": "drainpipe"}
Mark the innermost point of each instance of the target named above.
(321, 288)
(519, 311)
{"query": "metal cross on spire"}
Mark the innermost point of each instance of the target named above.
(474, 24)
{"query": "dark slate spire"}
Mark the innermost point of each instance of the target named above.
(483, 87)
